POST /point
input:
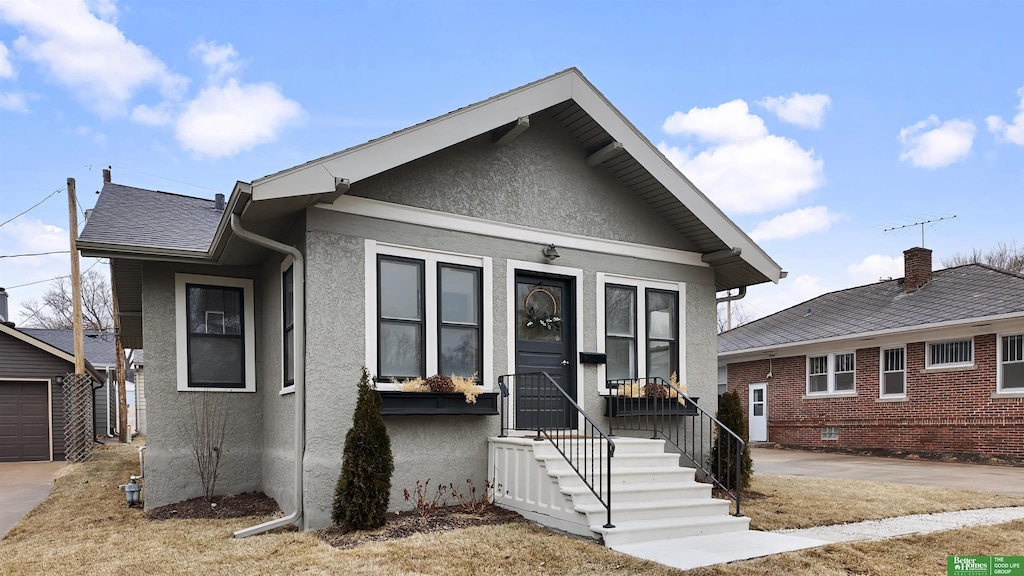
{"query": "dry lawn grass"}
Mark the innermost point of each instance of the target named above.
(85, 528)
(801, 502)
(910, 555)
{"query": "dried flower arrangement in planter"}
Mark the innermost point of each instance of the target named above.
(444, 384)
(636, 389)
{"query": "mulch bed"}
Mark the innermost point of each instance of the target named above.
(403, 524)
(227, 506)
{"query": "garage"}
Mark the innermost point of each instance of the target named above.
(24, 421)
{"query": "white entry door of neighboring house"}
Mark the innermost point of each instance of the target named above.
(758, 417)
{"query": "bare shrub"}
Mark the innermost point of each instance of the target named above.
(202, 430)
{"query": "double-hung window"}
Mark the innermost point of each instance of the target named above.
(641, 328)
(429, 316)
(1011, 363)
(894, 372)
(215, 337)
(832, 373)
(950, 354)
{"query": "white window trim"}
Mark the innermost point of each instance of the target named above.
(430, 258)
(882, 372)
(999, 367)
(285, 264)
(641, 285)
(831, 365)
(928, 360)
(181, 328)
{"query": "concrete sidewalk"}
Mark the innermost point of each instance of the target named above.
(985, 478)
(23, 485)
(698, 551)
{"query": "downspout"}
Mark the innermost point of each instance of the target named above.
(299, 305)
(739, 295)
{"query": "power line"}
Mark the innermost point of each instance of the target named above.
(54, 278)
(34, 206)
(34, 254)
(168, 179)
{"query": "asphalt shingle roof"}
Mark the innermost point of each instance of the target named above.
(960, 293)
(140, 217)
(99, 346)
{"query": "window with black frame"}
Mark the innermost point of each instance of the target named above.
(460, 318)
(662, 333)
(620, 331)
(400, 321)
(216, 341)
(288, 325)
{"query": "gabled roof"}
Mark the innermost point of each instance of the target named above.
(47, 347)
(574, 102)
(961, 294)
(129, 216)
(99, 346)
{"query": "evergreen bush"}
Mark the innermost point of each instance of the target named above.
(723, 457)
(364, 486)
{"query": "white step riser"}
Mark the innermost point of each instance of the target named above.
(569, 478)
(585, 496)
(622, 447)
(713, 525)
(711, 509)
(618, 462)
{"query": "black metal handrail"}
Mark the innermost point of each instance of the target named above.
(655, 407)
(548, 409)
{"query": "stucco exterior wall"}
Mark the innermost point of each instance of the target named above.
(169, 473)
(540, 180)
(449, 449)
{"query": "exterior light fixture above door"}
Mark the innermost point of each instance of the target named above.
(550, 252)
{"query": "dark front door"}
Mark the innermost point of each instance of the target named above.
(545, 331)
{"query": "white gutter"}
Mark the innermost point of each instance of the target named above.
(299, 304)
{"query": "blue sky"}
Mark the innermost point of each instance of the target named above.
(814, 125)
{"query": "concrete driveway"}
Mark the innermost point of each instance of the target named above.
(999, 479)
(23, 485)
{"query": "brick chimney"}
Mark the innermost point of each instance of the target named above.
(917, 264)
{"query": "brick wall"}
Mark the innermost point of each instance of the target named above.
(950, 410)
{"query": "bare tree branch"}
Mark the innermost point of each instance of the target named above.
(54, 312)
(1007, 257)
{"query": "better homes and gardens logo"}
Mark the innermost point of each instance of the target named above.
(984, 565)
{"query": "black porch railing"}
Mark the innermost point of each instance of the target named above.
(656, 406)
(541, 405)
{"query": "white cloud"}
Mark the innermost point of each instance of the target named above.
(1012, 132)
(105, 9)
(806, 110)
(87, 54)
(729, 122)
(221, 59)
(750, 177)
(795, 224)
(160, 115)
(225, 120)
(933, 144)
(6, 68)
(875, 267)
(13, 102)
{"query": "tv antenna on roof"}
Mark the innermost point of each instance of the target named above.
(921, 224)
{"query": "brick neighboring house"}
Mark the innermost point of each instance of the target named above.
(932, 362)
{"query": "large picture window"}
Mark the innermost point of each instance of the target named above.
(214, 326)
(641, 323)
(430, 318)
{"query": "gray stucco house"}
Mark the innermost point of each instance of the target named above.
(429, 250)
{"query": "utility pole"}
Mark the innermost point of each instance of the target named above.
(76, 280)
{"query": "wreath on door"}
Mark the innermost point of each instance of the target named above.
(538, 316)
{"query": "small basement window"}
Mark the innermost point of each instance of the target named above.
(830, 432)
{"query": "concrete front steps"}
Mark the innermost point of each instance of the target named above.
(653, 498)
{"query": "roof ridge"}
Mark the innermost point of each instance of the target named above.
(176, 194)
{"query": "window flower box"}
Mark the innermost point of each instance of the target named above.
(623, 406)
(394, 403)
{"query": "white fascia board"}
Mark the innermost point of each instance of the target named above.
(636, 144)
(445, 221)
(415, 142)
(966, 327)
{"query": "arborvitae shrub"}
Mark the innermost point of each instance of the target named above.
(364, 486)
(723, 457)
